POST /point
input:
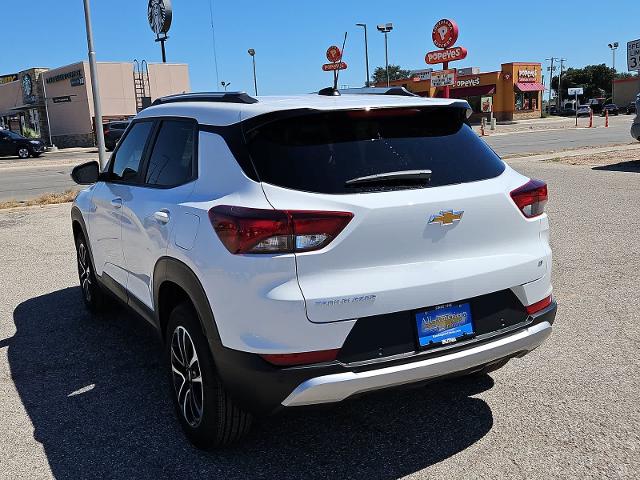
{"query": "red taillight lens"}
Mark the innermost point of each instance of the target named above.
(252, 230)
(531, 198)
(305, 358)
(541, 305)
(106, 131)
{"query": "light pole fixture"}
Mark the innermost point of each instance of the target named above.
(225, 84)
(386, 28)
(613, 46)
(366, 51)
(551, 70)
(252, 53)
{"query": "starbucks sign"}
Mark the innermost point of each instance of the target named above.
(159, 13)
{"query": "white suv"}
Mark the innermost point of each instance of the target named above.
(302, 250)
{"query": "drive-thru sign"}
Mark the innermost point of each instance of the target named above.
(633, 55)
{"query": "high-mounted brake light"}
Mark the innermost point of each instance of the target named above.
(531, 198)
(541, 305)
(305, 358)
(253, 230)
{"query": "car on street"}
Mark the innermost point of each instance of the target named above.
(610, 108)
(302, 250)
(12, 143)
(112, 133)
(635, 126)
(567, 112)
(584, 111)
(631, 108)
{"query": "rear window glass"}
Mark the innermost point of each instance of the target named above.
(320, 152)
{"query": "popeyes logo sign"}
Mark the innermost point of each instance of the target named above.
(527, 75)
(471, 82)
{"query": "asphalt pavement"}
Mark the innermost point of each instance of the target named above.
(84, 397)
(50, 174)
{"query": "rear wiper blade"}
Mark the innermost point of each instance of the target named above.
(413, 176)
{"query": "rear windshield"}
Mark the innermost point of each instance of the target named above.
(320, 152)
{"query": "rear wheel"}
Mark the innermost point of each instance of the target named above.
(92, 295)
(207, 414)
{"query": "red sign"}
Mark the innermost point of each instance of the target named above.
(329, 67)
(334, 54)
(448, 55)
(445, 33)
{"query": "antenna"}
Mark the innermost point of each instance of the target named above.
(335, 83)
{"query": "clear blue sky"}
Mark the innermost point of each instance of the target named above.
(290, 37)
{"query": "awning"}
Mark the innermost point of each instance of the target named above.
(472, 91)
(529, 87)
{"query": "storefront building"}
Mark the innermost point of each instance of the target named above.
(514, 92)
(625, 90)
(38, 99)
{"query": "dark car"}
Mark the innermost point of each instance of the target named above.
(612, 108)
(12, 143)
(631, 108)
(112, 133)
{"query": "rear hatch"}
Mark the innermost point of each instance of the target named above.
(414, 241)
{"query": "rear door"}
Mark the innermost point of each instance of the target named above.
(409, 245)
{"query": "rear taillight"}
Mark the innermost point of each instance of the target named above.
(252, 230)
(531, 198)
(305, 358)
(541, 305)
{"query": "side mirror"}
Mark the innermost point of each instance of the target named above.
(86, 173)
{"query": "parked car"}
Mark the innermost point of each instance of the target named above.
(631, 108)
(112, 133)
(584, 111)
(12, 143)
(552, 110)
(635, 126)
(567, 112)
(303, 250)
(612, 108)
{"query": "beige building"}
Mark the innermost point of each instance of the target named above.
(625, 90)
(125, 88)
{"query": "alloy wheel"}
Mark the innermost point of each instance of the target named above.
(187, 376)
(84, 271)
(23, 153)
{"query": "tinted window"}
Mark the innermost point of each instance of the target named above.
(118, 126)
(321, 151)
(127, 162)
(171, 161)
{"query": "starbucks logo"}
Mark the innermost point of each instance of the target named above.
(27, 85)
(159, 13)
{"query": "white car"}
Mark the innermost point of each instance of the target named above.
(301, 250)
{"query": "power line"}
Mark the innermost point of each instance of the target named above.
(213, 39)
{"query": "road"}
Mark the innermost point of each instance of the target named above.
(87, 397)
(52, 175)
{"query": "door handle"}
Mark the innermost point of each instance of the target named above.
(116, 202)
(162, 216)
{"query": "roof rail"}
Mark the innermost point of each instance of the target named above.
(219, 97)
(379, 91)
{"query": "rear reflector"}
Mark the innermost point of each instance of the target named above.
(541, 305)
(531, 198)
(252, 230)
(305, 358)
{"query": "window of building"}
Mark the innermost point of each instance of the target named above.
(526, 101)
(171, 162)
(126, 163)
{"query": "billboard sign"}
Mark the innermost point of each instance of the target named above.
(447, 55)
(331, 67)
(443, 78)
(575, 91)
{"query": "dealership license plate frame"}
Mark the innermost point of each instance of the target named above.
(449, 336)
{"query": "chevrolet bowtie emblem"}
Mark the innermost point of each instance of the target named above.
(446, 217)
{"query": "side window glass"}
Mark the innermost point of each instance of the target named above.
(171, 161)
(126, 163)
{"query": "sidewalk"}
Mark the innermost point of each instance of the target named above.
(586, 156)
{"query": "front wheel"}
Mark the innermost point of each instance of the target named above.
(23, 152)
(92, 295)
(207, 414)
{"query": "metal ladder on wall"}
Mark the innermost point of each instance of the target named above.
(141, 84)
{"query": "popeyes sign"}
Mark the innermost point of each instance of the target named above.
(527, 75)
(444, 36)
(448, 55)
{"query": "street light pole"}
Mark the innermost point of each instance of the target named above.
(613, 46)
(366, 51)
(551, 70)
(95, 88)
(252, 53)
(562, 60)
(386, 28)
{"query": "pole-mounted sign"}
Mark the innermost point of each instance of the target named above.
(160, 14)
(444, 36)
(334, 55)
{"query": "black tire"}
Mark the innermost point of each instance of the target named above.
(92, 294)
(35, 155)
(207, 414)
(23, 153)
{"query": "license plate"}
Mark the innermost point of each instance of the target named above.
(444, 324)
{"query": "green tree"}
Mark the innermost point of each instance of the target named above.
(395, 73)
(594, 79)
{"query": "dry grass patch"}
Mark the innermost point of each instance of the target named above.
(599, 159)
(46, 199)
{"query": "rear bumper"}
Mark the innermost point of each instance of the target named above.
(262, 388)
(337, 387)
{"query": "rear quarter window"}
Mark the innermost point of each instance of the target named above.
(320, 152)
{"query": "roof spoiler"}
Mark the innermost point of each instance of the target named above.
(217, 97)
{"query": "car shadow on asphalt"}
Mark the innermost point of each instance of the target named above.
(628, 166)
(97, 396)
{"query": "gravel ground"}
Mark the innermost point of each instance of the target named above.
(86, 398)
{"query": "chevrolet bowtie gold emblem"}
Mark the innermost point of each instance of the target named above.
(446, 217)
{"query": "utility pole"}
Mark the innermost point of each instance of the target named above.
(613, 46)
(95, 88)
(551, 70)
(367, 83)
(562, 60)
